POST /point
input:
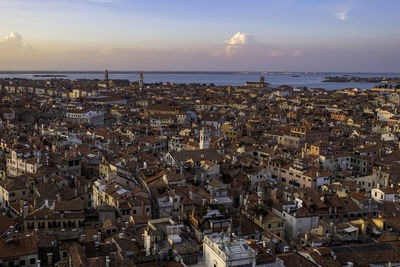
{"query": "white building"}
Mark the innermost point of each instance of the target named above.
(224, 250)
(385, 194)
(204, 138)
(20, 162)
(383, 115)
(297, 220)
(90, 117)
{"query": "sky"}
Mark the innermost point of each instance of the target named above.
(206, 35)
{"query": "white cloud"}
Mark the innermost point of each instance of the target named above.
(343, 11)
(13, 43)
(342, 15)
(243, 45)
(13, 37)
(237, 41)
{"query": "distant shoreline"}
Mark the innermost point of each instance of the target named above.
(337, 79)
(190, 72)
(49, 76)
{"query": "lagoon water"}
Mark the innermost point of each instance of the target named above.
(311, 80)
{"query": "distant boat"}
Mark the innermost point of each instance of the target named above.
(295, 76)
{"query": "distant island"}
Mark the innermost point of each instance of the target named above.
(346, 79)
(49, 75)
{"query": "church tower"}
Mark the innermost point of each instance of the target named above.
(204, 138)
(141, 80)
(106, 75)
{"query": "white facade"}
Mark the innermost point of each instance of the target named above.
(221, 251)
(380, 195)
(204, 138)
(384, 115)
(19, 163)
(91, 117)
(295, 226)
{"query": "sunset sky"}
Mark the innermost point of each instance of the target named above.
(212, 35)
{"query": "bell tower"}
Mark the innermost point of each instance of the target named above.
(204, 138)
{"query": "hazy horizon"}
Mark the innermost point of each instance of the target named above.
(194, 72)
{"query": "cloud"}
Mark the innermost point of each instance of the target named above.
(342, 15)
(243, 45)
(236, 42)
(13, 44)
(343, 11)
(13, 37)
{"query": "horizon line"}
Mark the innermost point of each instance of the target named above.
(185, 72)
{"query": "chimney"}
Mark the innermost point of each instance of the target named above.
(392, 185)
(82, 238)
(46, 203)
(108, 261)
(76, 192)
(378, 185)
(358, 190)
(121, 235)
(38, 263)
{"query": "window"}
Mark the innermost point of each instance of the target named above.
(65, 254)
(32, 261)
(22, 262)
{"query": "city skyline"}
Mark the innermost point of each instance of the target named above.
(192, 36)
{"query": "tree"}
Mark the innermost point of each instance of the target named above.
(221, 209)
